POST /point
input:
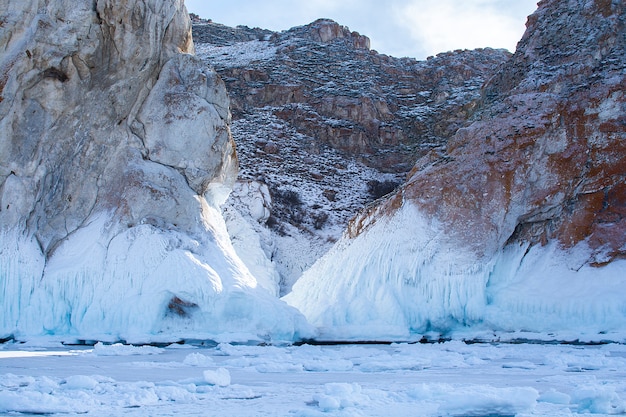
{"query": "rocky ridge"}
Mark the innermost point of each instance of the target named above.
(548, 150)
(323, 80)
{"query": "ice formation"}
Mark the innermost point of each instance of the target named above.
(426, 380)
(402, 279)
(143, 285)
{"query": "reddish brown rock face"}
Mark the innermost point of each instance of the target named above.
(547, 159)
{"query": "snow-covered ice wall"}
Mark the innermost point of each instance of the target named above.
(115, 153)
(519, 225)
(402, 279)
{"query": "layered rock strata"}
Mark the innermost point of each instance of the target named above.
(324, 80)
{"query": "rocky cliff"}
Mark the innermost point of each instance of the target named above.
(115, 151)
(546, 161)
(328, 125)
(519, 223)
(324, 81)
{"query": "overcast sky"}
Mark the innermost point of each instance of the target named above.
(413, 28)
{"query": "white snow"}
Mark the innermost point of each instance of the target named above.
(445, 379)
(198, 359)
(292, 249)
(240, 54)
(219, 377)
(119, 349)
(403, 278)
(252, 198)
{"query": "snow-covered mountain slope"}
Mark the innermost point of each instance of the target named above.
(115, 153)
(519, 225)
(329, 126)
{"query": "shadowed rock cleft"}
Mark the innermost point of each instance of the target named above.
(55, 73)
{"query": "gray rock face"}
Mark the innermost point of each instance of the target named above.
(94, 96)
(109, 125)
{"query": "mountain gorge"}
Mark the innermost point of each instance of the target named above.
(329, 125)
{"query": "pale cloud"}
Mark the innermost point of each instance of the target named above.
(443, 25)
(415, 28)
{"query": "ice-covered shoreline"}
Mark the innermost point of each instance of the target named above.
(440, 379)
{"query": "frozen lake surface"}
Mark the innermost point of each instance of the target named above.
(446, 379)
